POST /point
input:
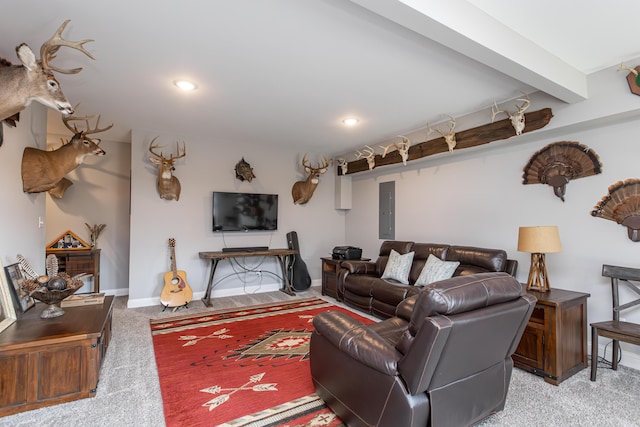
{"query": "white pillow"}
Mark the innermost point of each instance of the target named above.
(398, 267)
(435, 269)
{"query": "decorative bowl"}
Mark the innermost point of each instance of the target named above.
(52, 297)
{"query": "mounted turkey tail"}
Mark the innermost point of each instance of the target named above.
(622, 205)
(560, 162)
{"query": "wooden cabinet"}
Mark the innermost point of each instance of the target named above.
(76, 261)
(44, 362)
(330, 269)
(554, 343)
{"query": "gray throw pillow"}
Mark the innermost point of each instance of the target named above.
(435, 270)
(398, 267)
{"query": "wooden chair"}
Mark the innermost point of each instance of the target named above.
(615, 329)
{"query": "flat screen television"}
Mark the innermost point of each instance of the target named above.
(244, 211)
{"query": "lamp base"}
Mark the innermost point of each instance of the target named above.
(538, 280)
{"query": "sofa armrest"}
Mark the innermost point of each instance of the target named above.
(356, 340)
(359, 267)
(511, 267)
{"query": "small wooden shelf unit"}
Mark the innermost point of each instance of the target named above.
(45, 362)
(76, 261)
(554, 343)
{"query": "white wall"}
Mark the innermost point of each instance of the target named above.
(476, 197)
(21, 211)
(207, 167)
(99, 195)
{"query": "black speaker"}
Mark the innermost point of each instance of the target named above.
(297, 271)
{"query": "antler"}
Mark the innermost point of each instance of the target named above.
(181, 153)
(449, 137)
(49, 49)
(495, 111)
(629, 69)
(89, 131)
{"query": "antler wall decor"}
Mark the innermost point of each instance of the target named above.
(449, 137)
(517, 118)
(558, 163)
(402, 149)
(369, 154)
(468, 138)
(632, 78)
(622, 205)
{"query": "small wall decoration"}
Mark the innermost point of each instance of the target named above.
(558, 163)
(168, 185)
(632, 78)
(517, 118)
(244, 171)
(68, 241)
(622, 205)
(95, 230)
(449, 137)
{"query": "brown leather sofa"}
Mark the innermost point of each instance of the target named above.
(444, 360)
(359, 283)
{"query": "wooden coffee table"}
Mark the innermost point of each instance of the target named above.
(44, 362)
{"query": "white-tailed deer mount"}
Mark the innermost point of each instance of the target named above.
(168, 185)
(34, 79)
(303, 190)
(402, 147)
(45, 170)
(632, 78)
(449, 137)
(369, 154)
(517, 118)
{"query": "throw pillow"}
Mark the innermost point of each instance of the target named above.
(398, 267)
(435, 269)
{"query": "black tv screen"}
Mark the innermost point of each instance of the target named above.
(244, 211)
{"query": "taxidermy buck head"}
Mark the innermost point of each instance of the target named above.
(45, 170)
(517, 118)
(303, 190)
(34, 79)
(168, 185)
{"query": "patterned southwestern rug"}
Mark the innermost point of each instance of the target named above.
(241, 367)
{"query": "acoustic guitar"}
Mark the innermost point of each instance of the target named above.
(176, 291)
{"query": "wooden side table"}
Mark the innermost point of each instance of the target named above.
(44, 362)
(554, 343)
(330, 269)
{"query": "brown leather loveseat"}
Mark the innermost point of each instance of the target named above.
(360, 283)
(444, 360)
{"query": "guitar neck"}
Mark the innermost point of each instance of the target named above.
(172, 245)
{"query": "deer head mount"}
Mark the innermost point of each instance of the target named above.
(34, 79)
(369, 154)
(303, 190)
(168, 185)
(46, 170)
(517, 118)
(632, 78)
(343, 165)
(449, 137)
(402, 148)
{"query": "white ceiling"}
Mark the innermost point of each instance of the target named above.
(286, 72)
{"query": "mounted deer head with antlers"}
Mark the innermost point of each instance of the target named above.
(45, 170)
(34, 79)
(517, 118)
(303, 190)
(402, 147)
(449, 137)
(369, 154)
(168, 185)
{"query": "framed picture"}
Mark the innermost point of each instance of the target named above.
(7, 312)
(21, 299)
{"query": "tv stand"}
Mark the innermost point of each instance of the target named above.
(281, 254)
(246, 249)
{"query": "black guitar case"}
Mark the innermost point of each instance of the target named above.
(297, 272)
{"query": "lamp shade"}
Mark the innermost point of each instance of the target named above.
(539, 239)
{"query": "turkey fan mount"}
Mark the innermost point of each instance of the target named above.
(560, 162)
(622, 205)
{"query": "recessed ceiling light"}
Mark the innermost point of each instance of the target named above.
(352, 121)
(185, 85)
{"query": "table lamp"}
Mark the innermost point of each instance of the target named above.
(539, 241)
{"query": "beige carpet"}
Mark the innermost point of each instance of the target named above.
(129, 394)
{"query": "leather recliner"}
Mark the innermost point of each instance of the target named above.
(444, 360)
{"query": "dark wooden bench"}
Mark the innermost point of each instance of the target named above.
(615, 329)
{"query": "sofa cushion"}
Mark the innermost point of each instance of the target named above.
(476, 260)
(435, 270)
(398, 267)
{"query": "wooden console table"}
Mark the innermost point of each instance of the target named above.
(215, 257)
(554, 343)
(45, 362)
(76, 261)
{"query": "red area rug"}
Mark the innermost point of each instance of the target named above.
(241, 367)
